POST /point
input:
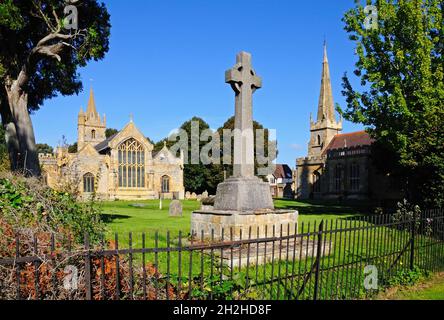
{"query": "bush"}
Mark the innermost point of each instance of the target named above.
(28, 206)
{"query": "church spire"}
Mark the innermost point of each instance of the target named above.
(326, 104)
(91, 110)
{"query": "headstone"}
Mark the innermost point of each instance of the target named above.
(205, 195)
(193, 196)
(176, 209)
(188, 195)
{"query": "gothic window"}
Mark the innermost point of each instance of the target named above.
(316, 182)
(93, 134)
(88, 183)
(355, 178)
(131, 157)
(165, 184)
(338, 177)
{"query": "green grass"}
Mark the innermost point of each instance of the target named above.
(430, 289)
(121, 217)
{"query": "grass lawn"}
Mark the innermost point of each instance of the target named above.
(430, 289)
(145, 217)
(123, 217)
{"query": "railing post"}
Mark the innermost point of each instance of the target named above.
(412, 243)
(88, 269)
(318, 260)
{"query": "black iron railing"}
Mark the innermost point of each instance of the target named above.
(341, 259)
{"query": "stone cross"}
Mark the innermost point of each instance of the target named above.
(245, 82)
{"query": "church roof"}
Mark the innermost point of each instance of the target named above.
(105, 144)
(349, 140)
(283, 171)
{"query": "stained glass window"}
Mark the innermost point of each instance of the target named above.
(131, 164)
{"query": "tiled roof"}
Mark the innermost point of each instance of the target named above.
(349, 140)
(283, 171)
(105, 144)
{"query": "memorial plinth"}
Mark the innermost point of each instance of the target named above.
(243, 202)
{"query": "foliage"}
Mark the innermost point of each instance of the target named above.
(401, 70)
(24, 23)
(229, 125)
(40, 59)
(73, 148)
(4, 160)
(29, 206)
(44, 148)
(407, 277)
(217, 289)
(407, 212)
(199, 177)
(110, 132)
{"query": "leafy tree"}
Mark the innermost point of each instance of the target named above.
(39, 58)
(73, 148)
(44, 148)
(199, 177)
(401, 70)
(110, 132)
(229, 125)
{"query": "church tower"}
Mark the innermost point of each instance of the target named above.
(326, 126)
(91, 129)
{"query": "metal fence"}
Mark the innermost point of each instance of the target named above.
(349, 258)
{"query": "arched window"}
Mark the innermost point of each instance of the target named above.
(355, 178)
(338, 177)
(131, 157)
(316, 182)
(88, 183)
(165, 184)
(93, 134)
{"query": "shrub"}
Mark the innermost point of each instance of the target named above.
(28, 206)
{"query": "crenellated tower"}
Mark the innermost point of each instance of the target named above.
(326, 126)
(91, 128)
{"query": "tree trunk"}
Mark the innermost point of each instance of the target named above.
(10, 132)
(20, 137)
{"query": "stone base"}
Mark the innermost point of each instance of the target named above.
(263, 253)
(241, 222)
(243, 194)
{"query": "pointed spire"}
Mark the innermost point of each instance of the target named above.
(326, 104)
(91, 110)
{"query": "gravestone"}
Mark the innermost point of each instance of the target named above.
(176, 209)
(243, 201)
(187, 195)
(205, 195)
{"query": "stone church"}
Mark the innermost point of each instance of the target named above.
(338, 166)
(122, 166)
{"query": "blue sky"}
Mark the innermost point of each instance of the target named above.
(168, 58)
